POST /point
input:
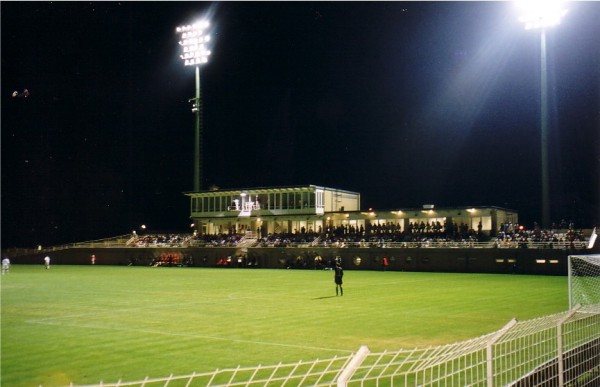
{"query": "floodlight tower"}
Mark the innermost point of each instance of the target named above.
(195, 53)
(540, 15)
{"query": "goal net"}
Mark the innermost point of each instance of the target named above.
(584, 280)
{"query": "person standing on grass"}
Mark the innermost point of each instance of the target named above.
(47, 262)
(338, 274)
(5, 265)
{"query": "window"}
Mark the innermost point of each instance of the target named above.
(284, 201)
(320, 202)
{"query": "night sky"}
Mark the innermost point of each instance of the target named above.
(408, 103)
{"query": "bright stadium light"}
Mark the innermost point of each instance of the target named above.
(193, 40)
(542, 14)
(536, 14)
(195, 52)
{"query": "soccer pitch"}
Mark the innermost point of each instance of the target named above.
(86, 324)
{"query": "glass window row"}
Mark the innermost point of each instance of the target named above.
(254, 202)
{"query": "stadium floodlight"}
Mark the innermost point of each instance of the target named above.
(194, 43)
(195, 52)
(541, 14)
(536, 14)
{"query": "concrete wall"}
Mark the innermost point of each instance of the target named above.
(468, 260)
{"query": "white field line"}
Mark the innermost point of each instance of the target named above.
(186, 335)
(102, 312)
(234, 296)
(48, 320)
(60, 321)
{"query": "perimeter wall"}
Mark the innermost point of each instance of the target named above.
(458, 260)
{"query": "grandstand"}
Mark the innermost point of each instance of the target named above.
(517, 253)
(310, 226)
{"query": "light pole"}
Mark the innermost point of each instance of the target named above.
(195, 53)
(542, 15)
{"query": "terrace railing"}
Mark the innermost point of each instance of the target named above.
(426, 244)
(116, 241)
(126, 241)
(556, 350)
(410, 245)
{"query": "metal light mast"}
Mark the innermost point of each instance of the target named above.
(542, 15)
(195, 53)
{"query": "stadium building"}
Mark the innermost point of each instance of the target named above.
(314, 209)
(311, 227)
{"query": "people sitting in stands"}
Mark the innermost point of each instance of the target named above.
(379, 235)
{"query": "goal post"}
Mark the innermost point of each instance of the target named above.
(584, 280)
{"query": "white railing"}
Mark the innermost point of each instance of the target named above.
(318, 243)
(188, 241)
(117, 241)
(556, 350)
(313, 373)
(431, 244)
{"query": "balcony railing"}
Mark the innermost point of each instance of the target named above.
(188, 241)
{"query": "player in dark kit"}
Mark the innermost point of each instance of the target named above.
(339, 273)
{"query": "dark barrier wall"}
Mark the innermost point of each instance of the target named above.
(468, 260)
(586, 373)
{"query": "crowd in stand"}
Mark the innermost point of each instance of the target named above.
(150, 240)
(511, 235)
(384, 235)
(433, 234)
(219, 240)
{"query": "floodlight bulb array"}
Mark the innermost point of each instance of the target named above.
(193, 40)
(198, 26)
(541, 14)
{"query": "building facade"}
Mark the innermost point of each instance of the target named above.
(312, 209)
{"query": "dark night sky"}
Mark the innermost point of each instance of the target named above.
(405, 102)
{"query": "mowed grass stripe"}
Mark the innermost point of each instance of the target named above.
(85, 324)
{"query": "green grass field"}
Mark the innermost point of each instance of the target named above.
(86, 324)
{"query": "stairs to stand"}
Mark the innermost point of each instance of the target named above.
(246, 242)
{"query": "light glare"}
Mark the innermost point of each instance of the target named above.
(192, 41)
(537, 14)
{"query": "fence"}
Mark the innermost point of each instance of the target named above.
(424, 244)
(127, 241)
(556, 350)
(117, 241)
